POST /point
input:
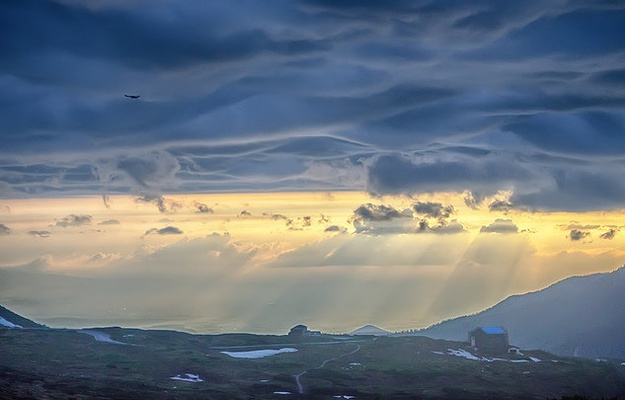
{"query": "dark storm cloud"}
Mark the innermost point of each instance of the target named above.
(577, 234)
(377, 212)
(74, 220)
(397, 97)
(396, 173)
(501, 226)
(159, 201)
(433, 210)
(138, 36)
(500, 205)
(168, 230)
(577, 133)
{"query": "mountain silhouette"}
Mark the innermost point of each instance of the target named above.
(580, 316)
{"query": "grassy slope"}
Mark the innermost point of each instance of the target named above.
(65, 364)
(18, 319)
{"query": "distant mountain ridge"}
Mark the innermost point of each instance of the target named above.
(369, 330)
(580, 316)
(11, 320)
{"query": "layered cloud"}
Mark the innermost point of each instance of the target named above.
(422, 217)
(500, 226)
(5, 230)
(404, 97)
(168, 230)
(74, 220)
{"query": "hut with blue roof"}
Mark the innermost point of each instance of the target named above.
(489, 339)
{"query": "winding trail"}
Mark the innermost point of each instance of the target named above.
(298, 383)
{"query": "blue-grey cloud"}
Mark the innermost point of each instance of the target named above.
(5, 230)
(500, 226)
(41, 234)
(576, 234)
(377, 212)
(609, 235)
(402, 97)
(74, 220)
(500, 205)
(335, 228)
(577, 225)
(164, 205)
(433, 210)
(168, 230)
(110, 222)
(203, 208)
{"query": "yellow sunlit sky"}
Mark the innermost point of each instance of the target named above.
(263, 262)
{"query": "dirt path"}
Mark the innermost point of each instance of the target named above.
(298, 382)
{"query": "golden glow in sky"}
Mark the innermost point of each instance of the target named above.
(264, 262)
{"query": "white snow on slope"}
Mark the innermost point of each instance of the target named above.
(100, 336)
(8, 324)
(462, 353)
(258, 353)
(281, 392)
(187, 378)
(465, 354)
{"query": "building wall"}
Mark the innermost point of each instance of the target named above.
(489, 343)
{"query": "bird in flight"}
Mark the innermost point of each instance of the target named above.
(132, 96)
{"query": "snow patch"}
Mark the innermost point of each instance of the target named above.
(9, 324)
(535, 359)
(281, 392)
(519, 361)
(187, 378)
(344, 396)
(462, 353)
(355, 364)
(440, 353)
(258, 353)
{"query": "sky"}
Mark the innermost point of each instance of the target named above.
(334, 163)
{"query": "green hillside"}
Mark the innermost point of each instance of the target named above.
(16, 319)
(65, 364)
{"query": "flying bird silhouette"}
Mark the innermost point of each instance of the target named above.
(132, 96)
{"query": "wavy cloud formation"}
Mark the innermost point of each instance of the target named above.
(393, 98)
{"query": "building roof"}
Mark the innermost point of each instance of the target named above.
(493, 330)
(299, 328)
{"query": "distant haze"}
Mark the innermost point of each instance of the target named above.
(397, 263)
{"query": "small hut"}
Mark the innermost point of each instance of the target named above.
(299, 331)
(490, 339)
